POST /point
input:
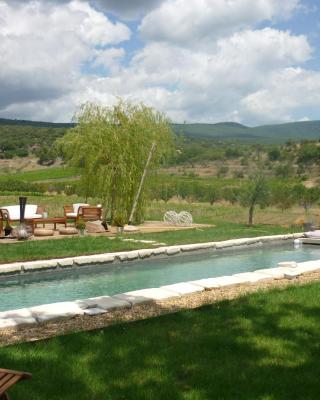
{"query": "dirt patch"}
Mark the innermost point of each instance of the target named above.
(144, 311)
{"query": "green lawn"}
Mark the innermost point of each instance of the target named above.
(263, 346)
(57, 248)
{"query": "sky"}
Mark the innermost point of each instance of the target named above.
(249, 61)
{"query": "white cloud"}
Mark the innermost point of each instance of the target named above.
(43, 48)
(288, 91)
(204, 60)
(198, 22)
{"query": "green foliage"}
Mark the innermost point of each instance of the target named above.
(254, 193)
(80, 224)
(20, 139)
(306, 197)
(309, 153)
(10, 184)
(111, 146)
(274, 154)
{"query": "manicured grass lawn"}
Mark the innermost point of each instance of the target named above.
(57, 248)
(264, 346)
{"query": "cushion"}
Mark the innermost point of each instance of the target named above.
(71, 214)
(68, 231)
(30, 212)
(43, 232)
(77, 205)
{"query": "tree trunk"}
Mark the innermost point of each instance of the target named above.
(153, 146)
(251, 210)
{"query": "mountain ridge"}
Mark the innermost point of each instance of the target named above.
(224, 131)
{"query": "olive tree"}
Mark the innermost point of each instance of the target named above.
(111, 146)
(254, 193)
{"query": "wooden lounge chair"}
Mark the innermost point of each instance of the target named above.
(90, 213)
(86, 212)
(9, 378)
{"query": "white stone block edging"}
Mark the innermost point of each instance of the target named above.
(103, 304)
(71, 262)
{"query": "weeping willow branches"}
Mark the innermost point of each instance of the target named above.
(111, 146)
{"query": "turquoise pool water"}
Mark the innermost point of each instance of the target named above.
(35, 289)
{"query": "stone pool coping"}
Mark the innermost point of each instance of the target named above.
(23, 267)
(37, 315)
(142, 311)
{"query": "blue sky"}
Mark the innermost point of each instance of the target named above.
(248, 61)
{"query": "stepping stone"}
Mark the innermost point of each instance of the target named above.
(106, 303)
(146, 295)
(183, 288)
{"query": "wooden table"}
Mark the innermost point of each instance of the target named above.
(53, 220)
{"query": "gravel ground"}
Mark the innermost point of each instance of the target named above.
(143, 311)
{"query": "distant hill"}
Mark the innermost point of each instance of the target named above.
(223, 131)
(230, 131)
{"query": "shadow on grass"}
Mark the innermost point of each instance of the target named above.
(263, 346)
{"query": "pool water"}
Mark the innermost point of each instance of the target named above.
(109, 279)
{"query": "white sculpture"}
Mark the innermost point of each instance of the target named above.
(183, 218)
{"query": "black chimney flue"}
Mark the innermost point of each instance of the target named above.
(23, 202)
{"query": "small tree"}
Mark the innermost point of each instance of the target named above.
(306, 197)
(111, 146)
(254, 193)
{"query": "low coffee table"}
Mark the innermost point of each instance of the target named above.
(53, 220)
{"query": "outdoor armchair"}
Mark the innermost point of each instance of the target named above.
(9, 378)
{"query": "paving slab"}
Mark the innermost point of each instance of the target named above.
(145, 253)
(16, 322)
(55, 311)
(12, 268)
(39, 265)
(221, 281)
(159, 250)
(292, 274)
(275, 273)
(65, 262)
(94, 311)
(104, 302)
(20, 313)
(183, 288)
(146, 295)
(252, 277)
(173, 250)
(289, 264)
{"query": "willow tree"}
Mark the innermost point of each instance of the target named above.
(111, 145)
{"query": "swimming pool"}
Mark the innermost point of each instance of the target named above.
(109, 279)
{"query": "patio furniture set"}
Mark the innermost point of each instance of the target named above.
(36, 215)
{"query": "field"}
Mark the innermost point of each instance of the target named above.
(262, 346)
